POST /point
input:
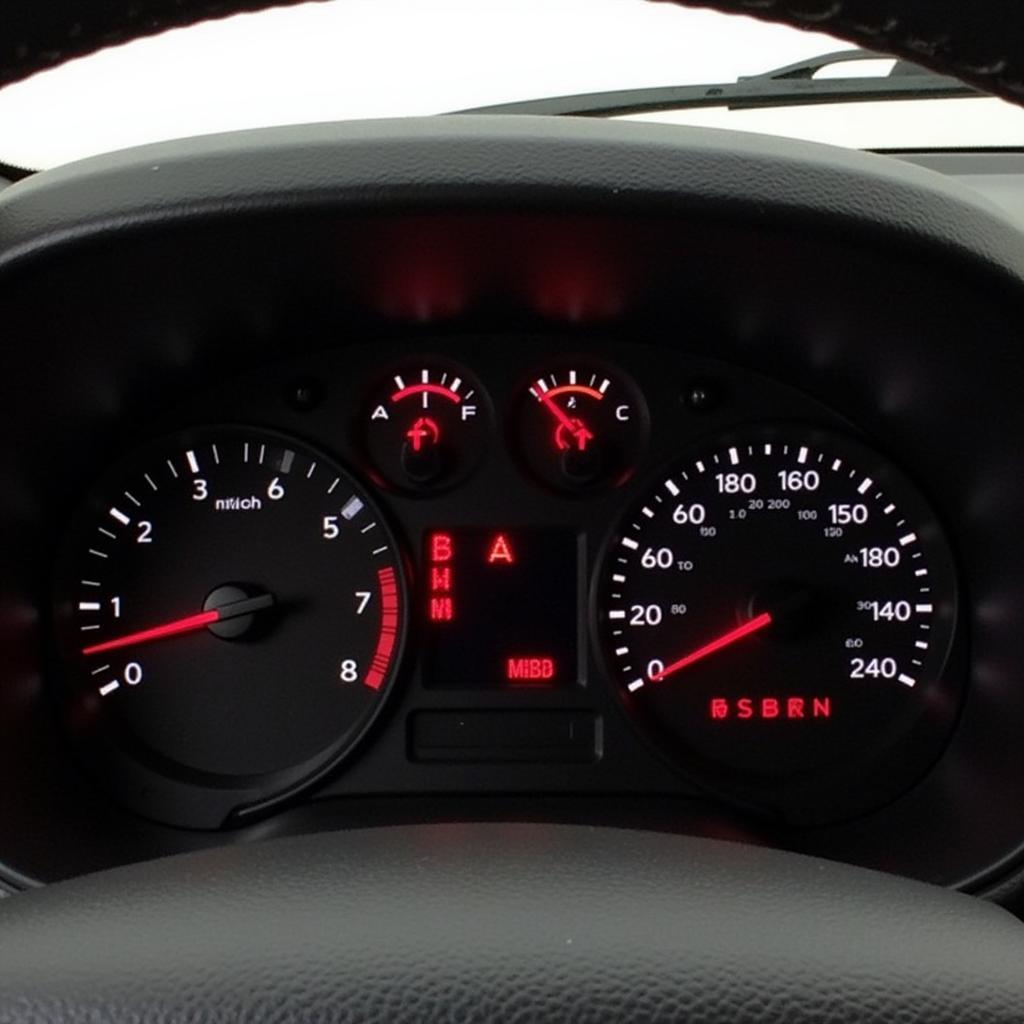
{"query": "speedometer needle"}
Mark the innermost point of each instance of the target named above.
(188, 624)
(754, 625)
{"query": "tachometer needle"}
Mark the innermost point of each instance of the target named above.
(188, 624)
(754, 625)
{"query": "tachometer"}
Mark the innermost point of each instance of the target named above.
(230, 610)
(779, 611)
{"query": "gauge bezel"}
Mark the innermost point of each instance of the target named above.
(485, 426)
(845, 790)
(156, 786)
(521, 401)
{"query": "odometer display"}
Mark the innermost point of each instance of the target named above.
(230, 609)
(779, 612)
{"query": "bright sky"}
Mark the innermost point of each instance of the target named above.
(383, 58)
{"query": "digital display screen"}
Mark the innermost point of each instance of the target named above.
(501, 608)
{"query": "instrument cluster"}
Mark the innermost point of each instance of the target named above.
(506, 564)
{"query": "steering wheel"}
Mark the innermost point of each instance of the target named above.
(489, 922)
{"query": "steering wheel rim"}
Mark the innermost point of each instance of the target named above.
(505, 923)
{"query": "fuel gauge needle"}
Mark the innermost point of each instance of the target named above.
(754, 625)
(188, 624)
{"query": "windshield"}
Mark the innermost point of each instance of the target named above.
(352, 59)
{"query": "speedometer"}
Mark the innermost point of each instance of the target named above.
(779, 612)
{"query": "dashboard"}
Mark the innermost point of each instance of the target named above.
(515, 566)
(695, 509)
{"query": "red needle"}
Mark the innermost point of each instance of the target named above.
(186, 625)
(575, 427)
(189, 624)
(755, 624)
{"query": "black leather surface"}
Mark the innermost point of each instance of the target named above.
(978, 41)
(505, 923)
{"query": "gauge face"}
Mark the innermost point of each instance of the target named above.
(581, 426)
(779, 611)
(230, 611)
(427, 426)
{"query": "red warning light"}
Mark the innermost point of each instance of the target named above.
(767, 709)
(441, 547)
(423, 432)
(530, 670)
(440, 603)
(500, 551)
(572, 435)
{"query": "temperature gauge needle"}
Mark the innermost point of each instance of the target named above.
(754, 625)
(575, 427)
(188, 624)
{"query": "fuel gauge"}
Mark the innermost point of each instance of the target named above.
(427, 426)
(581, 426)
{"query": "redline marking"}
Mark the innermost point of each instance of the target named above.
(388, 636)
(574, 389)
(420, 389)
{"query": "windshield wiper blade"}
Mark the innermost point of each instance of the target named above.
(793, 85)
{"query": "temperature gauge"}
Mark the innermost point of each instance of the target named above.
(427, 426)
(581, 426)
